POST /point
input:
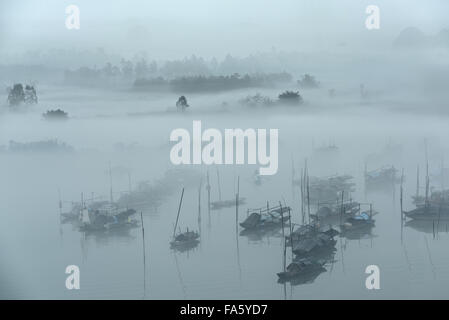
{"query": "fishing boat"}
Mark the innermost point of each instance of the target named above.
(266, 218)
(431, 211)
(334, 212)
(363, 221)
(72, 215)
(436, 197)
(183, 241)
(107, 219)
(382, 177)
(301, 271)
(320, 243)
(328, 188)
(310, 231)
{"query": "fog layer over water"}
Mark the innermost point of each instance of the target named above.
(385, 106)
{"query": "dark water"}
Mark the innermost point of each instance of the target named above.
(35, 248)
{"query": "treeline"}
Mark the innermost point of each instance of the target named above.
(213, 83)
(160, 73)
(292, 98)
(37, 146)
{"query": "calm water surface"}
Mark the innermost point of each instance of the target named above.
(35, 248)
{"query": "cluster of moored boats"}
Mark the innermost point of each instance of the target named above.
(99, 216)
(382, 178)
(433, 207)
(313, 244)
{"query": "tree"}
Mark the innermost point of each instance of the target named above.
(257, 100)
(127, 68)
(182, 104)
(57, 114)
(30, 94)
(290, 97)
(16, 95)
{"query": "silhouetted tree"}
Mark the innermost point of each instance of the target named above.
(257, 100)
(30, 94)
(57, 114)
(290, 97)
(182, 104)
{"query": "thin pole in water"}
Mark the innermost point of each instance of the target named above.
(60, 201)
(143, 246)
(199, 205)
(110, 182)
(308, 193)
(417, 182)
(342, 206)
(291, 230)
(283, 234)
(208, 195)
(179, 210)
(402, 195)
(302, 196)
(237, 204)
(219, 186)
(293, 177)
(129, 183)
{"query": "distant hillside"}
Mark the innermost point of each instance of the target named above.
(414, 38)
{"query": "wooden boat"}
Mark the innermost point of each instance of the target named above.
(429, 212)
(382, 177)
(101, 221)
(335, 212)
(301, 271)
(362, 221)
(266, 218)
(185, 240)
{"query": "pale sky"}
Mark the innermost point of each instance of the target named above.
(176, 28)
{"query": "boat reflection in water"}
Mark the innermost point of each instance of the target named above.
(184, 241)
(428, 226)
(358, 227)
(302, 271)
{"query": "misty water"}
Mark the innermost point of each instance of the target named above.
(36, 247)
(380, 99)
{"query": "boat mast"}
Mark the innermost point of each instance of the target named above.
(237, 204)
(110, 182)
(417, 182)
(208, 197)
(427, 173)
(219, 187)
(179, 210)
(199, 204)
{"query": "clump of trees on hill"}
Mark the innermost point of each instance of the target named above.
(285, 98)
(201, 83)
(39, 146)
(182, 104)
(18, 95)
(290, 97)
(57, 114)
